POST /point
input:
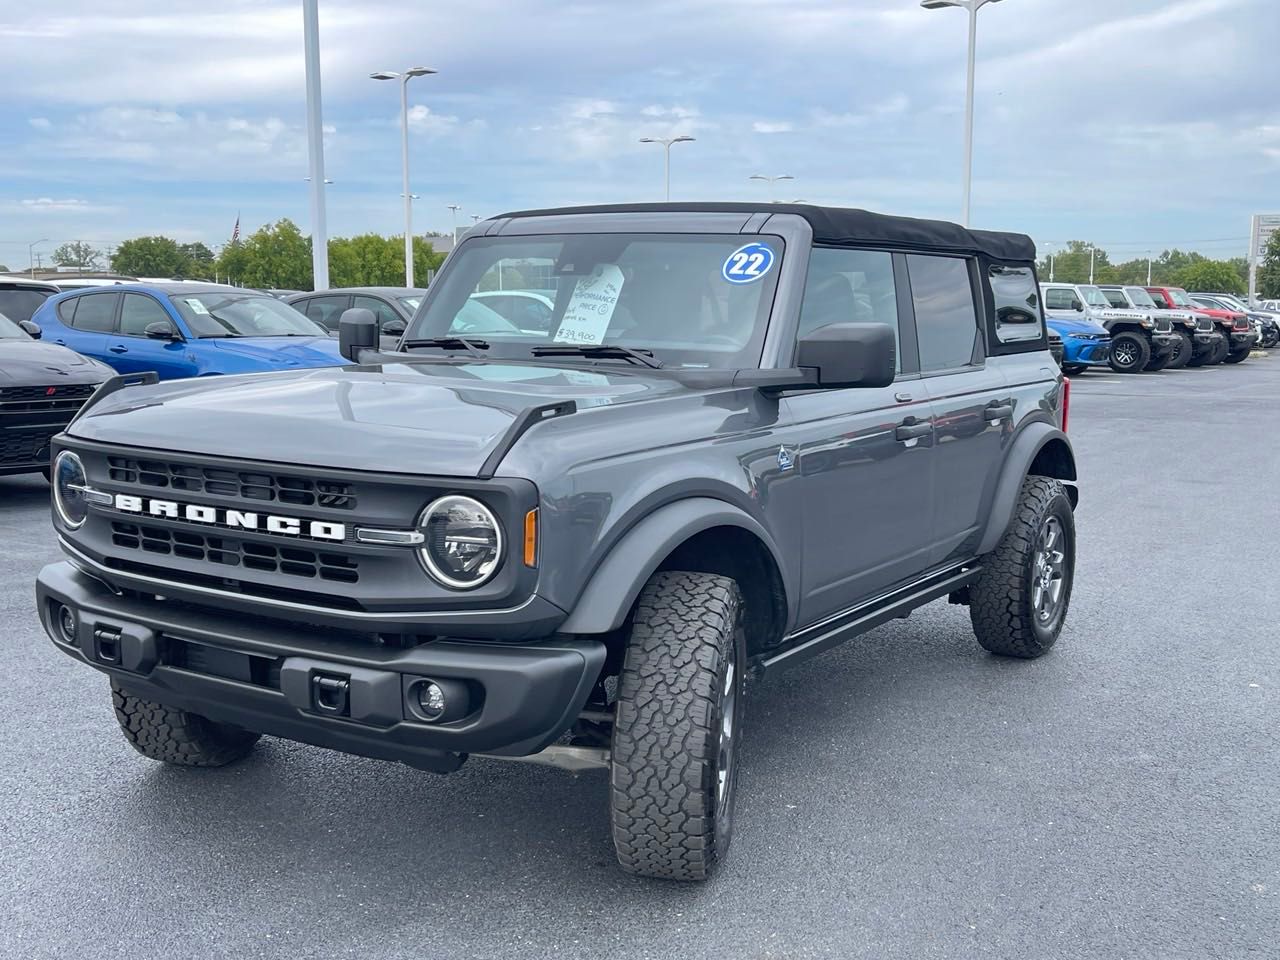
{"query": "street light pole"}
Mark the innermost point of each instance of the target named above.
(666, 166)
(1092, 251)
(404, 79)
(454, 208)
(773, 193)
(1148, 268)
(972, 6)
(31, 255)
(315, 144)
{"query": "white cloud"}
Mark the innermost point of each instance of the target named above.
(40, 123)
(772, 126)
(423, 120)
(52, 205)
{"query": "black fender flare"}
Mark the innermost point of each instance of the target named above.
(1026, 447)
(612, 589)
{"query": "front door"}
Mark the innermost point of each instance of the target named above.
(860, 460)
(135, 352)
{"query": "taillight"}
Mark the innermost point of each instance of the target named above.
(1066, 401)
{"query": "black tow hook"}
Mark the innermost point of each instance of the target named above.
(329, 695)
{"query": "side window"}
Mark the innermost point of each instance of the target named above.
(326, 310)
(139, 311)
(382, 311)
(946, 320)
(1057, 298)
(1116, 299)
(849, 286)
(96, 312)
(67, 311)
(1017, 301)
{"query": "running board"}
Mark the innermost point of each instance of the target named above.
(862, 619)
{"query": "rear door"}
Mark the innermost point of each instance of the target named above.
(325, 311)
(91, 321)
(972, 402)
(857, 471)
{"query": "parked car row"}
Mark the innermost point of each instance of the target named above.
(1131, 329)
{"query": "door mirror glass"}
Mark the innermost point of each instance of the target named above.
(31, 328)
(161, 330)
(357, 332)
(850, 354)
(1077, 306)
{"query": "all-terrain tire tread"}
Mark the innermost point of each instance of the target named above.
(663, 779)
(176, 736)
(1000, 599)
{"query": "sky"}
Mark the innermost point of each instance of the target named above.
(1136, 124)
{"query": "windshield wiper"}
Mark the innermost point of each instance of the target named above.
(610, 351)
(469, 344)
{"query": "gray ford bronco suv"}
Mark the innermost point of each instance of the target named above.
(749, 433)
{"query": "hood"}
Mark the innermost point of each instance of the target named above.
(435, 419)
(283, 351)
(1076, 327)
(36, 363)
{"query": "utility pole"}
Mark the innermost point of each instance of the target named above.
(315, 144)
(1148, 268)
(1092, 250)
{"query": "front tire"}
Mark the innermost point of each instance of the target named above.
(1073, 369)
(1182, 355)
(1237, 356)
(673, 774)
(1130, 352)
(1020, 600)
(178, 737)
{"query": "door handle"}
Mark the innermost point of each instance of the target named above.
(912, 429)
(61, 342)
(999, 410)
(118, 349)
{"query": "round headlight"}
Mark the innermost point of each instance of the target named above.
(463, 542)
(68, 489)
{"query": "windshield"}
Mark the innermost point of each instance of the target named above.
(11, 331)
(1231, 302)
(693, 300)
(19, 304)
(1139, 297)
(411, 302)
(1093, 296)
(1181, 299)
(240, 315)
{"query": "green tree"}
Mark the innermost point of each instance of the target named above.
(1072, 264)
(1211, 275)
(78, 254)
(199, 260)
(275, 255)
(149, 257)
(1269, 269)
(425, 259)
(368, 260)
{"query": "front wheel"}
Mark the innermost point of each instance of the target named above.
(1182, 352)
(1130, 352)
(175, 736)
(1237, 356)
(673, 772)
(1019, 602)
(1073, 369)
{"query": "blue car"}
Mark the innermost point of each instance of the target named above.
(1085, 344)
(185, 330)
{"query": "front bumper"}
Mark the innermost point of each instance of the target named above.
(1205, 343)
(1243, 340)
(1087, 353)
(1163, 344)
(263, 676)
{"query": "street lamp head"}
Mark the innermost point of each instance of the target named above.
(684, 139)
(419, 72)
(383, 75)
(648, 140)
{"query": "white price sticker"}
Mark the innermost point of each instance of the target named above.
(197, 307)
(586, 319)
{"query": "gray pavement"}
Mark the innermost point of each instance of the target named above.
(904, 796)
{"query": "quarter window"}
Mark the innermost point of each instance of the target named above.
(138, 312)
(67, 311)
(96, 312)
(849, 286)
(946, 319)
(1017, 302)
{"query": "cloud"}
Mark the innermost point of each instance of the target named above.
(423, 120)
(54, 206)
(40, 123)
(772, 126)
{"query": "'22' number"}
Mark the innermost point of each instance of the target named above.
(747, 264)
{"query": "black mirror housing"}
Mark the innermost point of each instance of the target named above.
(160, 330)
(357, 332)
(1077, 306)
(32, 328)
(850, 354)
(394, 328)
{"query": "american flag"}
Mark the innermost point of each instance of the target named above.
(235, 232)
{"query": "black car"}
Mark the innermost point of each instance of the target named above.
(392, 307)
(20, 298)
(42, 386)
(751, 433)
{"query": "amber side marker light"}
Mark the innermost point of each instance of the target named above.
(531, 538)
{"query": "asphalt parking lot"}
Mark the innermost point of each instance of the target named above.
(904, 796)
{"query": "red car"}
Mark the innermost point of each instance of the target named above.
(1236, 332)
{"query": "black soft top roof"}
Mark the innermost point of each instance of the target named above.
(841, 225)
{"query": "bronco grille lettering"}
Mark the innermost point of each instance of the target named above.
(199, 513)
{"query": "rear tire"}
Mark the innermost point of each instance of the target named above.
(175, 736)
(673, 772)
(1020, 600)
(1182, 355)
(1130, 352)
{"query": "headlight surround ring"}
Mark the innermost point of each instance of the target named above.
(464, 544)
(69, 482)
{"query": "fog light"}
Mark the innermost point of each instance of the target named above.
(431, 700)
(67, 623)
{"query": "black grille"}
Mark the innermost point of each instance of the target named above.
(230, 552)
(238, 484)
(1164, 325)
(27, 446)
(1204, 324)
(51, 397)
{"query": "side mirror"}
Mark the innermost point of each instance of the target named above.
(850, 354)
(1077, 306)
(31, 328)
(357, 332)
(161, 330)
(394, 328)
